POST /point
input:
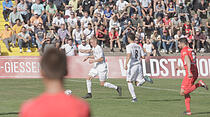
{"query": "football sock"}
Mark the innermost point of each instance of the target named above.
(88, 86)
(131, 90)
(140, 83)
(187, 103)
(109, 85)
(191, 89)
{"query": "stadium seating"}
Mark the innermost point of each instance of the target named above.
(15, 51)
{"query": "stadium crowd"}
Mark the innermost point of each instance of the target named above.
(69, 24)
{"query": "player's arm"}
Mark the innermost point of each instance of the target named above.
(188, 64)
(88, 57)
(127, 60)
(97, 60)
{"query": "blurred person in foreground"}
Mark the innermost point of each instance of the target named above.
(188, 57)
(54, 102)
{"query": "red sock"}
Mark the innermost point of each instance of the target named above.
(187, 103)
(191, 89)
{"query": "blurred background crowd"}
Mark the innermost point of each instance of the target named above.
(69, 24)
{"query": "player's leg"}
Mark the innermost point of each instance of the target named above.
(130, 78)
(195, 86)
(103, 82)
(187, 102)
(92, 74)
(140, 80)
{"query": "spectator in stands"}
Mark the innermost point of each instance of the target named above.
(167, 24)
(86, 19)
(74, 4)
(88, 6)
(84, 49)
(51, 11)
(110, 3)
(196, 22)
(200, 39)
(156, 40)
(167, 42)
(190, 39)
(108, 14)
(114, 23)
(79, 12)
(148, 25)
(30, 29)
(149, 48)
(176, 38)
(63, 33)
(146, 7)
(57, 21)
(24, 39)
(99, 10)
(114, 36)
(176, 24)
(68, 11)
(72, 22)
(6, 36)
(121, 5)
(14, 16)
(171, 10)
(133, 7)
(69, 47)
(182, 13)
(158, 23)
(16, 29)
(39, 9)
(202, 10)
(101, 35)
(7, 9)
(54, 102)
(47, 44)
(159, 10)
(35, 20)
(208, 27)
(136, 21)
(22, 9)
(88, 32)
(40, 35)
(140, 34)
(59, 4)
(77, 35)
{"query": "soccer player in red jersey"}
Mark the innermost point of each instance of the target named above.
(54, 102)
(188, 57)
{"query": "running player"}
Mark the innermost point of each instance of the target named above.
(100, 69)
(188, 57)
(133, 66)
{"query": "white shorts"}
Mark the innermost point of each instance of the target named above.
(134, 73)
(101, 74)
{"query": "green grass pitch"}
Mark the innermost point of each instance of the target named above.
(160, 99)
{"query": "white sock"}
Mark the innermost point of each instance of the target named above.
(131, 90)
(140, 83)
(88, 86)
(109, 85)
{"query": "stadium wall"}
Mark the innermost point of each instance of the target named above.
(156, 67)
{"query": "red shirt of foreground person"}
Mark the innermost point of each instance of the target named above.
(54, 102)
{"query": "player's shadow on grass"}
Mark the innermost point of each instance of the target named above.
(201, 113)
(166, 100)
(10, 113)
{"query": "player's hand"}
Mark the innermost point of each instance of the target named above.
(126, 67)
(85, 59)
(91, 61)
(190, 75)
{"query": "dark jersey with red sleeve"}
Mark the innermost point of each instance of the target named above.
(186, 51)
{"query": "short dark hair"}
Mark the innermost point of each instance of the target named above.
(17, 20)
(131, 36)
(183, 40)
(54, 64)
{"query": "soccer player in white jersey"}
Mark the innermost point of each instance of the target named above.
(133, 66)
(100, 69)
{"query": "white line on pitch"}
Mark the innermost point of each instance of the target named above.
(152, 88)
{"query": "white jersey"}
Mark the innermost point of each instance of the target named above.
(136, 52)
(69, 49)
(99, 53)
